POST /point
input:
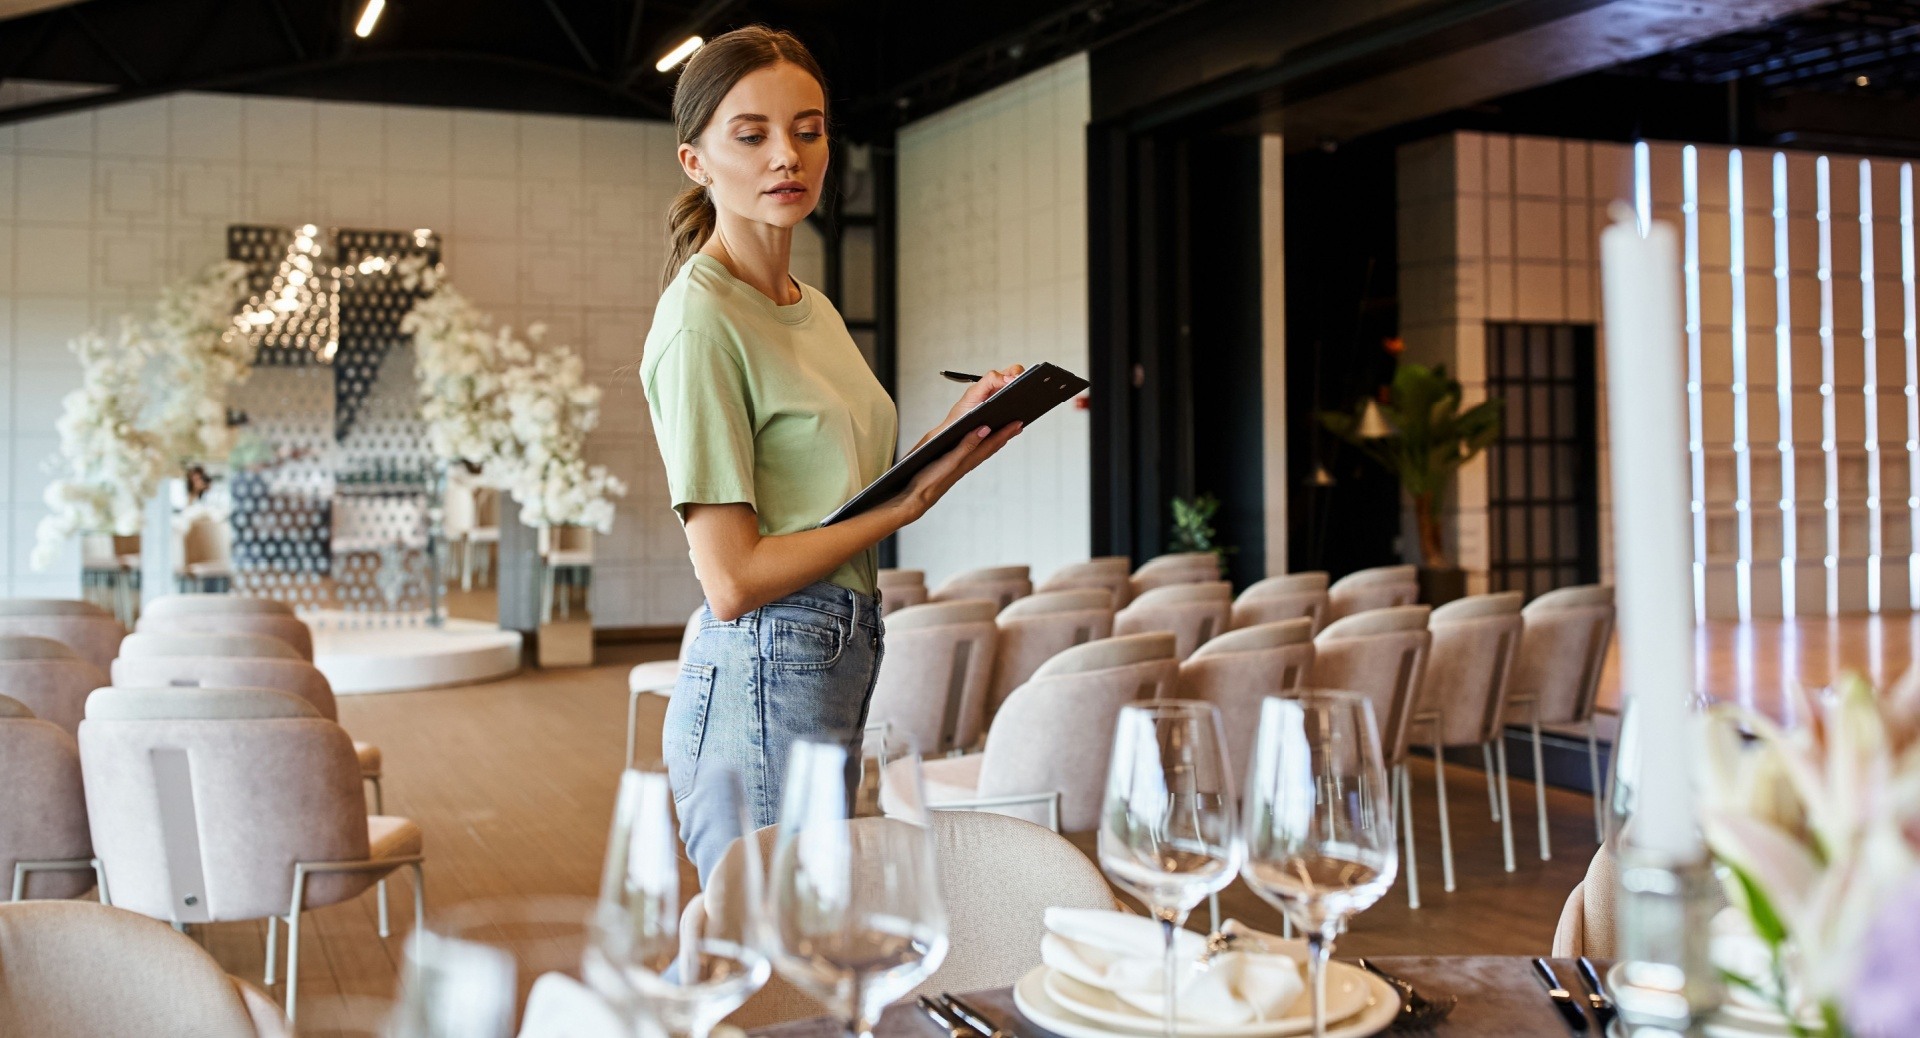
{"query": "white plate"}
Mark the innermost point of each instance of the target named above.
(1030, 997)
(1346, 995)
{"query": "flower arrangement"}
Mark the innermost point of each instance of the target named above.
(202, 355)
(109, 463)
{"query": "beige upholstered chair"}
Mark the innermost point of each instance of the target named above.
(1382, 654)
(1038, 627)
(997, 876)
(657, 677)
(203, 554)
(933, 678)
(43, 811)
(50, 678)
(1112, 572)
(900, 588)
(1193, 612)
(1239, 669)
(1586, 921)
(1283, 598)
(1000, 585)
(565, 551)
(1188, 567)
(227, 614)
(149, 660)
(1463, 699)
(1556, 679)
(1046, 754)
(211, 805)
(90, 631)
(1376, 588)
(76, 968)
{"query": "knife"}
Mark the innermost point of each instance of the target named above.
(1596, 995)
(965, 1013)
(1562, 999)
(953, 1029)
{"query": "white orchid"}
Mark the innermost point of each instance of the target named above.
(109, 466)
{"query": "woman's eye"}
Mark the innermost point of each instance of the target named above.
(809, 135)
(751, 138)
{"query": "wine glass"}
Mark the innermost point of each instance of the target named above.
(854, 914)
(469, 970)
(1319, 820)
(637, 957)
(1168, 832)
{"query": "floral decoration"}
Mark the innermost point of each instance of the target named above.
(110, 464)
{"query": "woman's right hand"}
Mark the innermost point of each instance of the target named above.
(933, 482)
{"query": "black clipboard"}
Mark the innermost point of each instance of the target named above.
(1032, 393)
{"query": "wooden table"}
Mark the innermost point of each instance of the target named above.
(1499, 998)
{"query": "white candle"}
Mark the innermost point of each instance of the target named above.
(1652, 527)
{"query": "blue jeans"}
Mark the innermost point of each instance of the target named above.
(798, 667)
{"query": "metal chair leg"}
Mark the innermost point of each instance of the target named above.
(293, 965)
(1540, 789)
(466, 564)
(1406, 826)
(1506, 803)
(273, 947)
(1493, 793)
(1446, 831)
(1593, 773)
(380, 897)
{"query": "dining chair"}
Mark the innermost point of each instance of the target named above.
(999, 584)
(997, 878)
(1045, 758)
(227, 614)
(1193, 612)
(203, 555)
(1586, 920)
(90, 631)
(43, 810)
(1376, 588)
(932, 685)
(1463, 699)
(1382, 654)
(1556, 681)
(1283, 598)
(900, 588)
(1187, 567)
(50, 678)
(79, 968)
(1236, 671)
(657, 677)
(566, 560)
(1040, 626)
(215, 805)
(1112, 572)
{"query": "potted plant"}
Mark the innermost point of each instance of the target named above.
(1193, 527)
(1417, 430)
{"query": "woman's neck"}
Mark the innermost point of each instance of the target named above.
(756, 253)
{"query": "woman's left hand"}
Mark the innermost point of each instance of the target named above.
(976, 394)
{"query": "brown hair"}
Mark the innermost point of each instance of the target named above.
(710, 74)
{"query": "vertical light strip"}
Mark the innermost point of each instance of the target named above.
(1696, 437)
(1643, 186)
(1870, 382)
(1737, 320)
(1910, 333)
(1783, 388)
(1830, 501)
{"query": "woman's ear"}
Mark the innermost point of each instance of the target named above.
(690, 164)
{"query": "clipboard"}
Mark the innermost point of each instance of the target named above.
(1032, 393)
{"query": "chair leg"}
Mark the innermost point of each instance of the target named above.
(1493, 793)
(1446, 831)
(1406, 827)
(1593, 773)
(100, 881)
(1540, 789)
(293, 964)
(380, 897)
(379, 796)
(466, 564)
(419, 897)
(1506, 803)
(273, 947)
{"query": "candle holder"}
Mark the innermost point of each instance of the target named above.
(1665, 984)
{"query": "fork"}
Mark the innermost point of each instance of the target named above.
(1417, 1011)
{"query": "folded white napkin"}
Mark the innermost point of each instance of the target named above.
(562, 1007)
(1125, 955)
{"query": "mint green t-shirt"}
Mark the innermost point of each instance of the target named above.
(768, 405)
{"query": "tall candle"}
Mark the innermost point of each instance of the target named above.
(1652, 527)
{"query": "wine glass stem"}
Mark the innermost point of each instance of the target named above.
(1319, 949)
(858, 1024)
(1170, 980)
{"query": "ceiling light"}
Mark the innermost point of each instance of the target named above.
(1860, 81)
(368, 16)
(676, 55)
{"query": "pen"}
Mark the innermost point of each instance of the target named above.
(959, 376)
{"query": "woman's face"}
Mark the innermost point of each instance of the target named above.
(764, 155)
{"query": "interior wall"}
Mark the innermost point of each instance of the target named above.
(992, 271)
(544, 218)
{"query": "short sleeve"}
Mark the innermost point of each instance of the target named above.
(703, 421)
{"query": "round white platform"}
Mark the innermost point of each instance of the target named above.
(401, 659)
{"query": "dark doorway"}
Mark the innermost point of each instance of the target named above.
(1542, 487)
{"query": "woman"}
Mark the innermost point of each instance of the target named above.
(768, 419)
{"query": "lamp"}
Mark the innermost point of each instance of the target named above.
(679, 54)
(1373, 424)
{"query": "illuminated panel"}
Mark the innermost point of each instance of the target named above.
(1869, 345)
(1696, 438)
(1737, 319)
(1908, 334)
(1783, 388)
(1823, 215)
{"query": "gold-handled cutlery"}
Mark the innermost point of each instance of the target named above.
(1562, 998)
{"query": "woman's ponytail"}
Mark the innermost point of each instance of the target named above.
(690, 221)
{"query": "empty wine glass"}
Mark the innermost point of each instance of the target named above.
(854, 912)
(1168, 831)
(638, 958)
(1319, 820)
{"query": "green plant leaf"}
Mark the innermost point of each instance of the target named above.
(1766, 922)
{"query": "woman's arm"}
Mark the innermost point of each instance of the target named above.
(740, 570)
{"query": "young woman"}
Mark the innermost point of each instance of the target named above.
(768, 419)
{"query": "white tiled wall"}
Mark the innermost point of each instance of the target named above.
(547, 218)
(992, 269)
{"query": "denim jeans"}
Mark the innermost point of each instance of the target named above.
(798, 667)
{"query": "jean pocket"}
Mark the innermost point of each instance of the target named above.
(686, 728)
(804, 646)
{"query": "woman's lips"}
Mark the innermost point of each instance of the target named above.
(788, 192)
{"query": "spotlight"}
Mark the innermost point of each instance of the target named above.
(1861, 81)
(368, 16)
(677, 54)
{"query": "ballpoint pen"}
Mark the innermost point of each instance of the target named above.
(959, 376)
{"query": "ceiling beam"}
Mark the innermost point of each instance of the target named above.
(566, 27)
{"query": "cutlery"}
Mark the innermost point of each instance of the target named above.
(1562, 999)
(1418, 1012)
(967, 1014)
(1596, 995)
(959, 376)
(945, 1022)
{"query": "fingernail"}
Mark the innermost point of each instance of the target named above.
(982, 431)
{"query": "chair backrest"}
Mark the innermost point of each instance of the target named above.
(1470, 666)
(459, 514)
(1194, 612)
(295, 677)
(1273, 607)
(565, 537)
(91, 632)
(1382, 654)
(1040, 626)
(289, 629)
(1000, 585)
(933, 676)
(1586, 921)
(216, 604)
(1192, 567)
(1376, 588)
(145, 644)
(200, 800)
(997, 876)
(205, 540)
(1239, 669)
(900, 588)
(1056, 732)
(1562, 648)
(54, 956)
(49, 678)
(1112, 572)
(44, 817)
